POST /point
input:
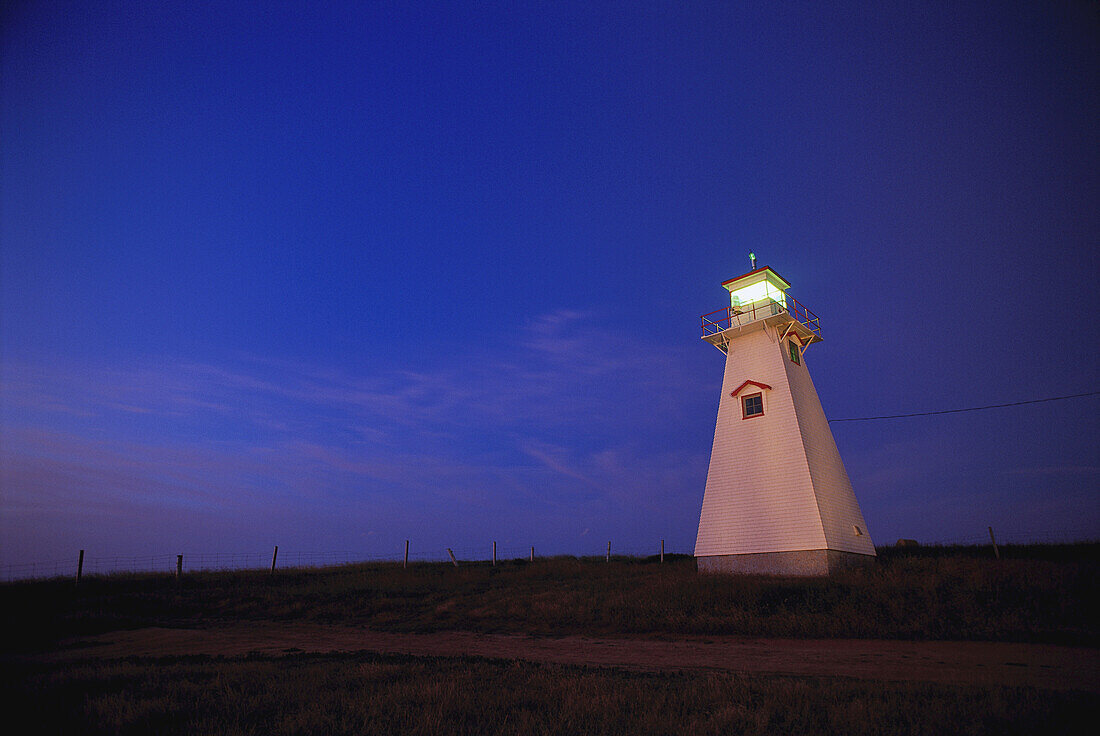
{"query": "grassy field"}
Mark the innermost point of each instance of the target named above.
(376, 694)
(1036, 594)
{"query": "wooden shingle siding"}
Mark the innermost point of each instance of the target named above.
(836, 500)
(775, 483)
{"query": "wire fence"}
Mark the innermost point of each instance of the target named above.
(186, 562)
(485, 554)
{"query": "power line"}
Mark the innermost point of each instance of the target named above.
(971, 408)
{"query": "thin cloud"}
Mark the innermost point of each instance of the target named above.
(256, 438)
(552, 457)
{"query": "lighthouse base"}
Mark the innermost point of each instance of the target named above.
(798, 563)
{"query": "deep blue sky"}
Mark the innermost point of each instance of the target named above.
(333, 276)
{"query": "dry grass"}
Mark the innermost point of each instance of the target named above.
(377, 694)
(1038, 594)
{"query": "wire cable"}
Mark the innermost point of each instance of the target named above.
(971, 408)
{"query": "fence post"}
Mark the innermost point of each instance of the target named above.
(662, 551)
(532, 554)
(179, 567)
(494, 553)
(273, 556)
(608, 559)
(452, 554)
(79, 567)
(993, 539)
(406, 563)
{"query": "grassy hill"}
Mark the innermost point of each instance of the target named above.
(1034, 594)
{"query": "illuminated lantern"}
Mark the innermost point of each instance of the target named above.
(778, 500)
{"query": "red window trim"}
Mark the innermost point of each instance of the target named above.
(745, 398)
(762, 386)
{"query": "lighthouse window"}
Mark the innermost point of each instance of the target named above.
(792, 348)
(752, 406)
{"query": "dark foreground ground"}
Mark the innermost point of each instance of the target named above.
(940, 641)
(370, 693)
(1044, 666)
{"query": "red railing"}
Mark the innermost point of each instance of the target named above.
(722, 319)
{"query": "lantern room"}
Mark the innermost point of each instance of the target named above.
(756, 288)
(759, 298)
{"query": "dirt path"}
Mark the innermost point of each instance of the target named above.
(987, 663)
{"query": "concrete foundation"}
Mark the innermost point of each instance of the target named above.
(800, 563)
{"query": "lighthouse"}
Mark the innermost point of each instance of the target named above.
(778, 500)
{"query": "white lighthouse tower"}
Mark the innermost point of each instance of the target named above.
(778, 500)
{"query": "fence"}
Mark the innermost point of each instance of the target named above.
(487, 554)
(82, 564)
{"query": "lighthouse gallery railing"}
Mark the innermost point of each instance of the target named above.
(722, 319)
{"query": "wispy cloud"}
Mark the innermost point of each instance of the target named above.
(561, 418)
(554, 458)
(565, 371)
